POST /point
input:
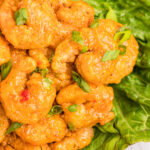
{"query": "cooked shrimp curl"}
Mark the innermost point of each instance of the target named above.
(76, 140)
(80, 14)
(26, 101)
(47, 130)
(93, 107)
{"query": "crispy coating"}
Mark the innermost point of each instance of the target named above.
(56, 4)
(59, 84)
(41, 30)
(75, 141)
(47, 130)
(13, 142)
(39, 99)
(94, 107)
(4, 51)
(40, 56)
(3, 123)
(99, 40)
(79, 14)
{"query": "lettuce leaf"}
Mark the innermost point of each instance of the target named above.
(106, 141)
(132, 119)
(136, 88)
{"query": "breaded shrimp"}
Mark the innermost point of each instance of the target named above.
(79, 14)
(47, 130)
(25, 101)
(17, 55)
(76, 140)
(13, 142)
(41, 29)
(111, 71)
(94, 107)
(3, 123)
(4, 51)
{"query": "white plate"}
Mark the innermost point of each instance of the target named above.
(139, 146)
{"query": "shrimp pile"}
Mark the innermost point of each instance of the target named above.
(56, 67)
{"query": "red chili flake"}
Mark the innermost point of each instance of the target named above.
(25, 96)
(94, 101)
(38, 63)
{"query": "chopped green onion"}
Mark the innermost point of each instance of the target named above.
(73, 108)
(1, 33)
(57, 109)
(80, 82)
(51, 58)
(76, 37)
(5, 69)
(122, 36)
(111, 15)
(44, 72)
(58, 74)
(124, 49)
(95, 23)
(71, 126)
(13, 127)
(84, 49)
(47, 83)
(110, 55)
(21, 16)
(36, 70)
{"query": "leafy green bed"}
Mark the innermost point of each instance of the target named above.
(132, 95)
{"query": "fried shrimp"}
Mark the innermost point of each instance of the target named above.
(13, 142)
(4, 51)
(75, 140)
(101, 39)
(25, 101)
(47, 130)
(3, 123)
(79, 14)
(37, 32)
(94, 107)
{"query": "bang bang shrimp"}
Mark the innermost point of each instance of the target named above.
(38, 29)
(76, 140)
(26, 101)
(80, 14)
(47, 130)
(93, 67)
(93, 107)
